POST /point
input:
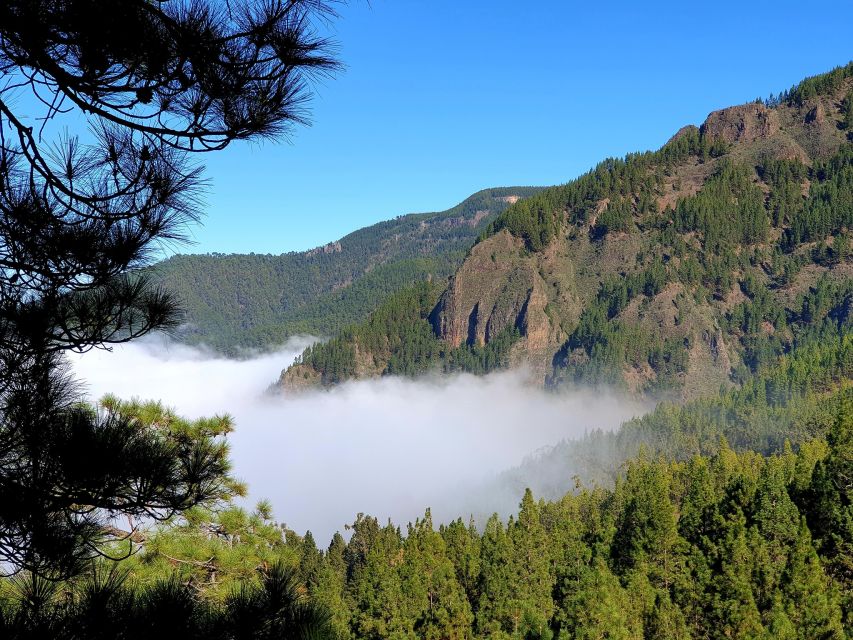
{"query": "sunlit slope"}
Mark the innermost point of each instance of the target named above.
(667, 272)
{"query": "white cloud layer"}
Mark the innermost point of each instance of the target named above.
(387, 447)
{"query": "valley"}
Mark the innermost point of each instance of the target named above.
(238, 303)
(619, 407)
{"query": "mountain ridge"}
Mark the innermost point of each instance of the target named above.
(681, 269)
(257, 301)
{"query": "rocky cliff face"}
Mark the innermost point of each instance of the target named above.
(502, 284)
(744, 123)
(487, 295)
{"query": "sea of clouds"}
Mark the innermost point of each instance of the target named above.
(388, 447)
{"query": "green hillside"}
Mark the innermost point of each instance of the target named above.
(787, 403)
(669, 272)
(238, 301)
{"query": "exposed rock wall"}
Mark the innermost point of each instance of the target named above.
(744, 123)
(487, 294)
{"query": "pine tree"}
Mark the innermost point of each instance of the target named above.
(533, 580)
(647, 530)
(495, 613)
(330, 590)
(811, 604)
(777, 623)
(435, 600)
(154, 82)
(463, 550)
(777, 520)
(310, 560)
(597, 606)
(734, 612)
(379, 606)
(830, 501)
(847, 112)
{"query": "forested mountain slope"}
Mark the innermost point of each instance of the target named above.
(673, 271)
(785, 404)
(236, 301)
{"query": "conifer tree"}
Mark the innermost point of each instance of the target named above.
(532, 580)
(811, 607)
(379, 605)
(495, 614)
(310, 560)
(734, 611)
(647, 529)
(829, 502)
(463, 550)
(436, 602)
(330, 588)
(597, 606)
(777, 520)
(156, 82)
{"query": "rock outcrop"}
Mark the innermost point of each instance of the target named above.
(816, 116)
(744, 123)
(685, 130)
(487, 294)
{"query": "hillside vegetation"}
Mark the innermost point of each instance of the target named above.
(716, 543)
(723, 546)
(667, 272)
(716, 270)
(238, 301)
(734, 532)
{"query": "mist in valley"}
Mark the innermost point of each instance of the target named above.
(388, 447)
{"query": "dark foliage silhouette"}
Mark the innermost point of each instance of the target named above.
(156, 81)
(104, 606)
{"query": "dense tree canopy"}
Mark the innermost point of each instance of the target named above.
(719, 545)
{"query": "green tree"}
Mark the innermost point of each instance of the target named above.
(734, 613)
(811, 603)
(154, 82)
(436, 601)
(847, 112)
(778, 520)
(379, 604)
(777, 623)
(829, 502)
(463, 549)
(330, 588)
(597, 607)
(532, 580)
(310, 560)
(495, 613)
(647, 531)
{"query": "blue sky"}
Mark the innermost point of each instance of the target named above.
(442, 98)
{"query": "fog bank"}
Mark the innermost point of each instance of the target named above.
(387, 447)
